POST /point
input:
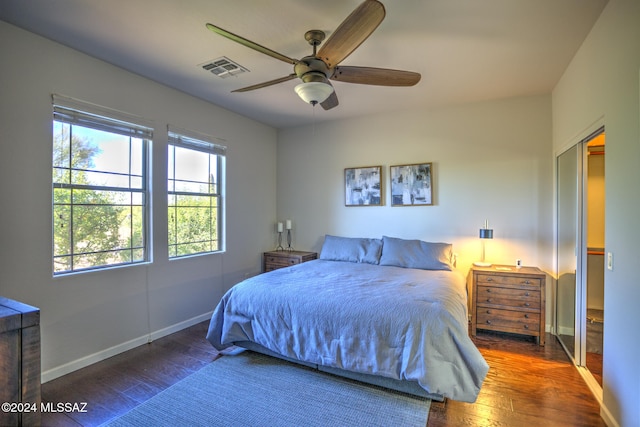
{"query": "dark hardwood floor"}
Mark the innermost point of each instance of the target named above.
(526, 385)
(114, 386)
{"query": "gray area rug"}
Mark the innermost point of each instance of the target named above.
(249, 389)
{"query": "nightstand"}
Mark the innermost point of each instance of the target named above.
(508, 299)
(274, 260)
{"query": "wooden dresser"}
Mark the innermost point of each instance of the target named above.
(278, 259)
(508, 299)
(19, 362)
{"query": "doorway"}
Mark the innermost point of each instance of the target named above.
(580, 252)
(595, 255)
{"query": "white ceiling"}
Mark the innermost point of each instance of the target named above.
(466, 50)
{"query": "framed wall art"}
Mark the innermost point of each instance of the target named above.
(363, 186)
(411, 185)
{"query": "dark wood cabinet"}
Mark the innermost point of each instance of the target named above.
(19, 362)
(508, 299)
(274, 260)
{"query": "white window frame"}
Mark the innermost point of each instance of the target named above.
(190, 140)
(73, 112)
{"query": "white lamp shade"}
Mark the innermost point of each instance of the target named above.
(314, 92)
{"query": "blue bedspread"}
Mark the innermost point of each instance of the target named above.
(394, 322)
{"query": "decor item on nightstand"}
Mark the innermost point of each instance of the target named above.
(279, 247)
(411, 185)
(363, 186)
(289, 247)
(485, 233)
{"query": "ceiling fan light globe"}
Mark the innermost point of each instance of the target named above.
(314, 92)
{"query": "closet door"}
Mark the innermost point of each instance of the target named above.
(568, 246)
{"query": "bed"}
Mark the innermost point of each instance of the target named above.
(390, 312)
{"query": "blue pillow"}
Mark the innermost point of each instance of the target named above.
(351, 249)
(416, 254)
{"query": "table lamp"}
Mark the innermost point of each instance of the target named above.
(485, 233)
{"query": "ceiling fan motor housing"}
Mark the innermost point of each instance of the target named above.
(312, 69)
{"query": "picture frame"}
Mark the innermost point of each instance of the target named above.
(363, 186)
(411, 185)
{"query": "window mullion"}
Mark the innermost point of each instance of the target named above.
(72, 244)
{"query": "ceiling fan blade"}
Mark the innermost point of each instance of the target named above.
(330, 102)
(354, 30)
(375, 76)
(265, 84)
(248, 43)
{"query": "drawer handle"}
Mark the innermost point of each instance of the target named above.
(526, 294)
(526, 304)
(488, 291)
(526, 326)
(488, 299)
(292, 261)
(488, 322)
(489, 279)
(526, 282)
(488, 311)
(526, 316)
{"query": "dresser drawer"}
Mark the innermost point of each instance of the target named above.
(281, 261)
(271, 267)
(511, 297)
(508, 320)
(521, 282)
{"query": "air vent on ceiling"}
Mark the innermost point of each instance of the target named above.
(224, 67)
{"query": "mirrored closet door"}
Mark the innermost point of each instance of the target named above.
(568, 193)
(580, 252)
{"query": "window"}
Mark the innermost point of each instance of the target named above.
(195, 181)
(100, 205)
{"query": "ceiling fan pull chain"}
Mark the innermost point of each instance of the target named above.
(313, 131)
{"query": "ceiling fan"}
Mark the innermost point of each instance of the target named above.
(323, 65)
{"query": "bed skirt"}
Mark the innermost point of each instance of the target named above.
(409, 387)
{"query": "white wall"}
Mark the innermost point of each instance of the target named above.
(602, 85)
(490, 161)
(85, 317)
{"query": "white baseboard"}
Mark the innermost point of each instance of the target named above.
(53, 373)
(609, 420)
(591, 382)
(596, 389)
(179, 326)
(566, 330)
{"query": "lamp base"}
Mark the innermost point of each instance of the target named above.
(482, 264)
